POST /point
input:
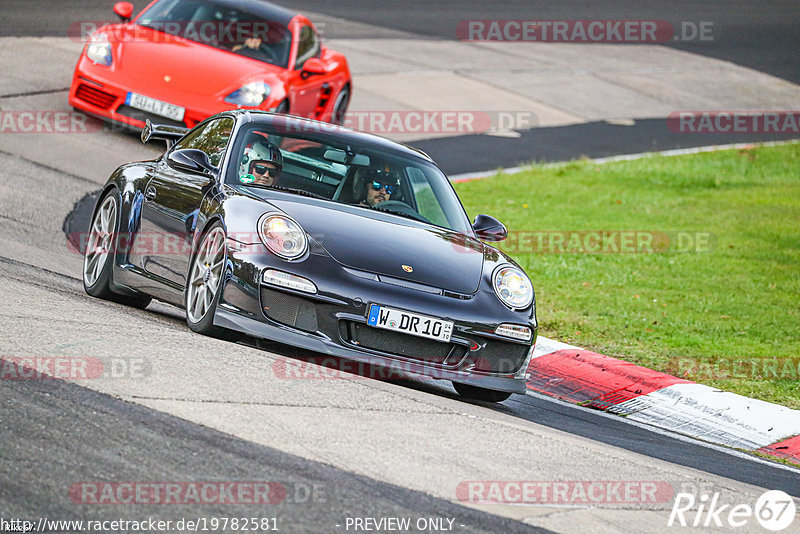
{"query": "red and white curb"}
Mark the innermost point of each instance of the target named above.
(584, 377)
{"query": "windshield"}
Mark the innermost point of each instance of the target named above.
(221, 26)
(365, 175)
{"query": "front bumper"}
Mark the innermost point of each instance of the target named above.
(333, 321)
(96, 92)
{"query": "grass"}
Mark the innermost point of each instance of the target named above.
(725, 312)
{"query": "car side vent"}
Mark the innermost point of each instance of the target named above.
(324, 98)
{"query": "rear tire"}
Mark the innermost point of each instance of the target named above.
(481, 394)
(204, 284)
(101, 249)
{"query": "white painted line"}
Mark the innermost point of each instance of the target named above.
(713, 415)
(693, 150)
(625, 157)
(667, 433)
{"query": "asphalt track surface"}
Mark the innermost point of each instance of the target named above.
(472, 153)
(54, 421)
(763, 37)
(760, 35)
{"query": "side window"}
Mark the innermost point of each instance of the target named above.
(308, 47)
(211, 138)
(427, 204)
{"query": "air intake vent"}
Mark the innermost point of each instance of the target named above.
(289, 310)
(404, 345)
(95, 96)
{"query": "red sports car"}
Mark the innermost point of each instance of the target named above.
(181, 61)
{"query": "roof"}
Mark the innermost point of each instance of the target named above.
(321, 130)
(261, 9)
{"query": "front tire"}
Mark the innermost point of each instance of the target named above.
(481, 394)
(204, 284)
(283, 108)
(101, 249)
(340, 106)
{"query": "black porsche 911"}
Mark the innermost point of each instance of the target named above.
(320, 237)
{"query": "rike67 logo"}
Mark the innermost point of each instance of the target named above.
(774, 510)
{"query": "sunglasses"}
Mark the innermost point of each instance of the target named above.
(376, 186)
(263, 169)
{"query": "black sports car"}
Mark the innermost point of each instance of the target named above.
(317, 236)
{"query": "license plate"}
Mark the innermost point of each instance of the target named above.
(157, 107)
(409, 323)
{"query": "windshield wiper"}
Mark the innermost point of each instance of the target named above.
(408, 215)
(301, 192)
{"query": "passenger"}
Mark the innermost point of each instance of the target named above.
(378, 187)
(261, 164)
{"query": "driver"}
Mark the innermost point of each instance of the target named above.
(261, 163)
(253, 43)
(378, 187)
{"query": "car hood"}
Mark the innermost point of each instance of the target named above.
(383, 244)
(163, 66)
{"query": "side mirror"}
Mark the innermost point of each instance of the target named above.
(312, 66)
(489, 229)
(124, 10)
(191, 160)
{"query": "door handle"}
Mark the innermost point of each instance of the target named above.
(150, 193)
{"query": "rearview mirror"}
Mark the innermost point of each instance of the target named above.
(191, 160)
(340, 156)
(124, 10)
(489, 229)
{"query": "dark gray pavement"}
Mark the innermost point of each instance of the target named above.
(56, 435)
(761, 35)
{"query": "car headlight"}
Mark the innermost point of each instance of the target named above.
(99, 49)
(251, 94)
(512, 287)
(282, 236)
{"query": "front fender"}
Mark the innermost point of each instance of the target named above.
(239, 215)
